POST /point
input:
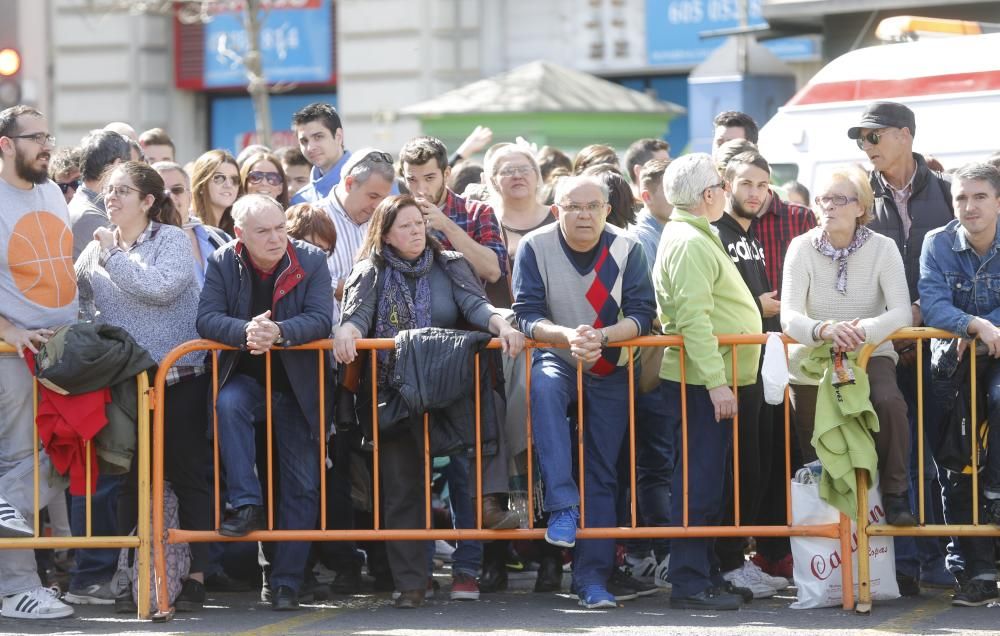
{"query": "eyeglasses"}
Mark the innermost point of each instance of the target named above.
(218, 179)
(272, 178)
(120, 191)
(873, 138)
(40, 138)
(69, 185)
(516, 171)
(836, 200)
(177, 190)
(575, 208)
(721, 184)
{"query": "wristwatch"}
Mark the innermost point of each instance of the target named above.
(280, 340)
(604, 338)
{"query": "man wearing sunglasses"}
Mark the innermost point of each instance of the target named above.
(98, 150)
(911, 200)
(64, 169)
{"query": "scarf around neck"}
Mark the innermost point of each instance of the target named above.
(822, 244)
(398, 309)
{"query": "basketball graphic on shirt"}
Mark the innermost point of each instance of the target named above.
(40, 257)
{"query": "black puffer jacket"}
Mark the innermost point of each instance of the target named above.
(929, 207)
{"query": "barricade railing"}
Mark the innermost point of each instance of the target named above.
(866, 529)
(141, 540)
(840, 531)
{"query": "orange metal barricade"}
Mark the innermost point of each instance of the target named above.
(141, 540)
(840, 531)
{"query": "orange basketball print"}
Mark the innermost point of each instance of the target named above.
(40, 257)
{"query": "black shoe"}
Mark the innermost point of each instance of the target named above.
(619, 578)
(410, 599)
(493, 578)
(222, 582)
(550, 574)
(125, 604)
(908, 585)
(347, 581)
(284, 599)
(191, 598)
(975, 593)
(312, 590)
(897, 510)
(617, 589)
(711, 599)
(243, 521)
(991, 511)
(744, 593)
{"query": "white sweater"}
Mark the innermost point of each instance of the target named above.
(876, 293)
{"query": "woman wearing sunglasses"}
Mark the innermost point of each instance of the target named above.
(262, 174)
(215, 184)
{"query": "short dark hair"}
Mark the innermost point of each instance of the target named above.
(750, 157)
(381, 222)
(322, 112)
(641, 151)
(64, 160)
(550, 158)
(980, 171)
(100, 149)
(734, 119)
(651, 175)
(156, 137)
(8, 118)
(464, 173)
(619, 195)
(593, 155)
(291, 156)
(725, 152)
(420, 150)
(149, 183)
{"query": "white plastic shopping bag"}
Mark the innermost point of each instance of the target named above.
(774, 370)
(817, 560)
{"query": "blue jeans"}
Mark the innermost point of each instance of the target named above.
(459, 472)
(694, 566)
(605, 404)
(94, 566)
(241, 408)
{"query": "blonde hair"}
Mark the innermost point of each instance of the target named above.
(862, 189)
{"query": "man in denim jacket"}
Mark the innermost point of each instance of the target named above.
(960, 292)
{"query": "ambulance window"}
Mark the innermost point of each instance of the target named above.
(784, 172)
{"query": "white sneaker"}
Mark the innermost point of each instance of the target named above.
(12, 523)
(744, 577)
(660, 573)
(443, 550)
(41, 602)
(640, 569)
(777, 582)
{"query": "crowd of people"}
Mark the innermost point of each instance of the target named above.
(281, 247)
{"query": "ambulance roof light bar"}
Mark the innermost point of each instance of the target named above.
(904, 28)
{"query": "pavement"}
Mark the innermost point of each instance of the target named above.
(520, 612)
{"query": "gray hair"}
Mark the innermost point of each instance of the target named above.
(687, 177)
(505, 152)
(166, 166)
(979, 171)
(565, 185)
(100, 149)
(248, 204)
(362, 164)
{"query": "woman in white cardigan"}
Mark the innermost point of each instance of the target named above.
(844, 285)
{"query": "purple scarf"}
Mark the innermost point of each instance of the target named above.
(822, 244)
(397, 309)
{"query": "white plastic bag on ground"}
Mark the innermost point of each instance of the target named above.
(774, 370)
(817, 560)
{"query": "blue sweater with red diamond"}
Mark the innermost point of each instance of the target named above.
(548, 284)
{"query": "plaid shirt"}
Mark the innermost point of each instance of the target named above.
(775, 229)
(478, 221)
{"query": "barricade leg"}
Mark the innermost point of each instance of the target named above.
(864, 605)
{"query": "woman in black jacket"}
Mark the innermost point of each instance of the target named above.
(405, 281)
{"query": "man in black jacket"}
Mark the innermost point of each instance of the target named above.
(263, 290)
(910, 201)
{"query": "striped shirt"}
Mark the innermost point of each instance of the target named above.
(350, 236)
(775, 228)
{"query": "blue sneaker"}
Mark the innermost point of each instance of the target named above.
(596, 597)
(562, 527)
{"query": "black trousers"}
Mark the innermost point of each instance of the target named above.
(401, 465)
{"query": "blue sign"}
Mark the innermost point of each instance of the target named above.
(672, 28)
(233, 126)
(296, 44)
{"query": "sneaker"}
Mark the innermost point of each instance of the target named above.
(660, 573)
(750, 579)
(712, 598)
(991, 511)
(97, 594)
(12, 523)
(970, 593)
(908, 585)
(464, 588)
(562, 527)
(125, 604)
(615, 588)
(783, 568)
(640, 568)
(596, 597)
(777, 582)
(640, 588)
(191, 598)
(432, 587)
(41, 602)
(443, 550)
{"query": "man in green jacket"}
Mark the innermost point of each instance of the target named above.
(700, 295)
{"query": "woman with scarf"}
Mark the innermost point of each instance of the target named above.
(844, 287)
(404, 280)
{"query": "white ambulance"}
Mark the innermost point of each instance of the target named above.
(952, 85)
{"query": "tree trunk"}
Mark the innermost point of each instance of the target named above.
(256, 82)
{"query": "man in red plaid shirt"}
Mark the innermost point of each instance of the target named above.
(469, 227)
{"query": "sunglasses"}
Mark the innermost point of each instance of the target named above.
(272, 178)
(219, 179)
(177, 190)
(69, 185)
(873, 138)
